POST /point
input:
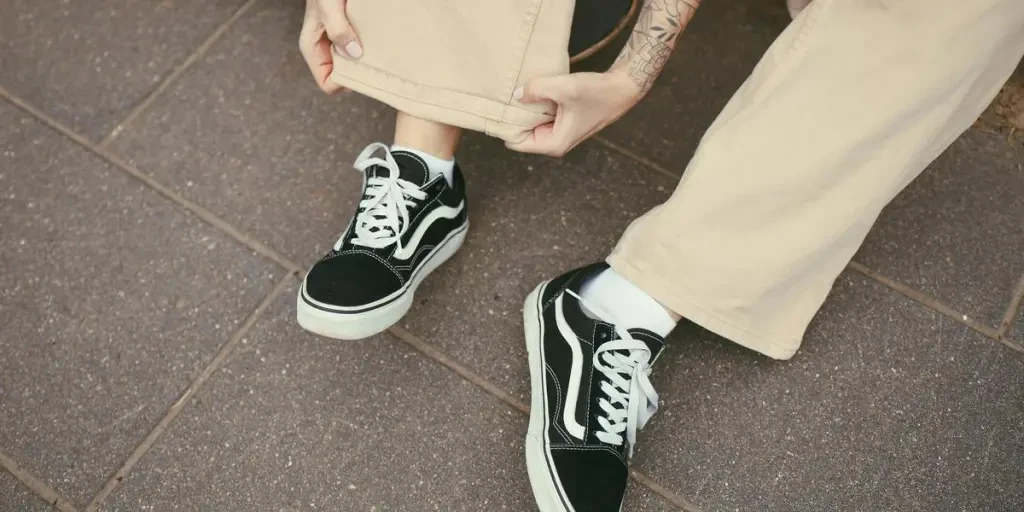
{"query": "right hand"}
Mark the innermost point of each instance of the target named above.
(586, 103)
(325, 25)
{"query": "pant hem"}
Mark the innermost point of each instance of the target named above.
(499, 119)
(689, 308)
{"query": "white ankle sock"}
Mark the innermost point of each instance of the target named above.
(631, 306)
(434, 164)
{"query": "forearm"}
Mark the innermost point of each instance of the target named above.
(653, 39)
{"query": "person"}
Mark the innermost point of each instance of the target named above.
(847, 106)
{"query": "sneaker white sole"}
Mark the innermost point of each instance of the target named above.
(356, 326)
(546, 487)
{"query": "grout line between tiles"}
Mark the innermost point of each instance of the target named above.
(196, 209)
(660, 490)
(934, 304)
(1011, 312)
(175, 73)
(43, 491)
(175, 409)
(646, 162)
(462, 371)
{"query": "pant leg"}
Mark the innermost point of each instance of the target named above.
(458, 61)
(848, 106)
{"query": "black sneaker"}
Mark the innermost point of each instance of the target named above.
(590, 395)
(406, 226)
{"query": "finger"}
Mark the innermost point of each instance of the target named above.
(558, 89)
(316, 50)
(339, 30)
(322, 74)
(536, 141)
(547, 139)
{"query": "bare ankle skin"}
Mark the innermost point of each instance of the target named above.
(440, 140)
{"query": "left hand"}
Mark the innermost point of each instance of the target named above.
(586, 103)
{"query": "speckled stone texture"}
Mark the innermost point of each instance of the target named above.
(1017, 333)
(15, 496)
(111, 299)
(89, 63)
(248, 134)
(888, 406)
(957, 232)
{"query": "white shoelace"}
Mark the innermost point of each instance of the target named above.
(384, 213)
(631, 399)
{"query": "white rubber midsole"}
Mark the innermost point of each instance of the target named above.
(545, 485)
(356, 326)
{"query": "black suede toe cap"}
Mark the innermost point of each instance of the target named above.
(593, 480)
(351, 279)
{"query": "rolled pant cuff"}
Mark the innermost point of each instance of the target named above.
(680, 302)
(471, 112)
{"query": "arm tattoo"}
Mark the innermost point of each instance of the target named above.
(657, 28)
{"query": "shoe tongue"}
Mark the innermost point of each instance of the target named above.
(606, 332)
(652, 340)
(411, 168)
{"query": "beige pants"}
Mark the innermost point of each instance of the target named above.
(459, 61)
(848, 106)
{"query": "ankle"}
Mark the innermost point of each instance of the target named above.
(632, 307)
(435, 139)
(435, 166)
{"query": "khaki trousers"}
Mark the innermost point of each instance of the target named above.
(849, 105)
(459, 61)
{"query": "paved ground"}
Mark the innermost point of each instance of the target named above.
(168, 168)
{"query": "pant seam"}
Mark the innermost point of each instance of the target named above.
(525, 34)
(485, 117)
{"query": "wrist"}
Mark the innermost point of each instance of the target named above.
(623, 83)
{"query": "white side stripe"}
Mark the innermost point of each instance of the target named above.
(575, 373)
(441, 212)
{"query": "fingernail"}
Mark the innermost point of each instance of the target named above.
(518, 93)
(354, 50)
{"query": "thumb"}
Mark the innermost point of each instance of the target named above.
(339, 30)
(558, 89)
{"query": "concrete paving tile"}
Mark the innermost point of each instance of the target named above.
(642, 499)
(89, 63)
(715, 55)
(956, 232)
(296, 422)
(15, 497)
(888, 406)
(247, 134)
(530, 219)
(111, 300)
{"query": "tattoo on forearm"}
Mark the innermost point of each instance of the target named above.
(657, 28)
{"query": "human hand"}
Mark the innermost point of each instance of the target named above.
(586, 103)
(325, 25)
